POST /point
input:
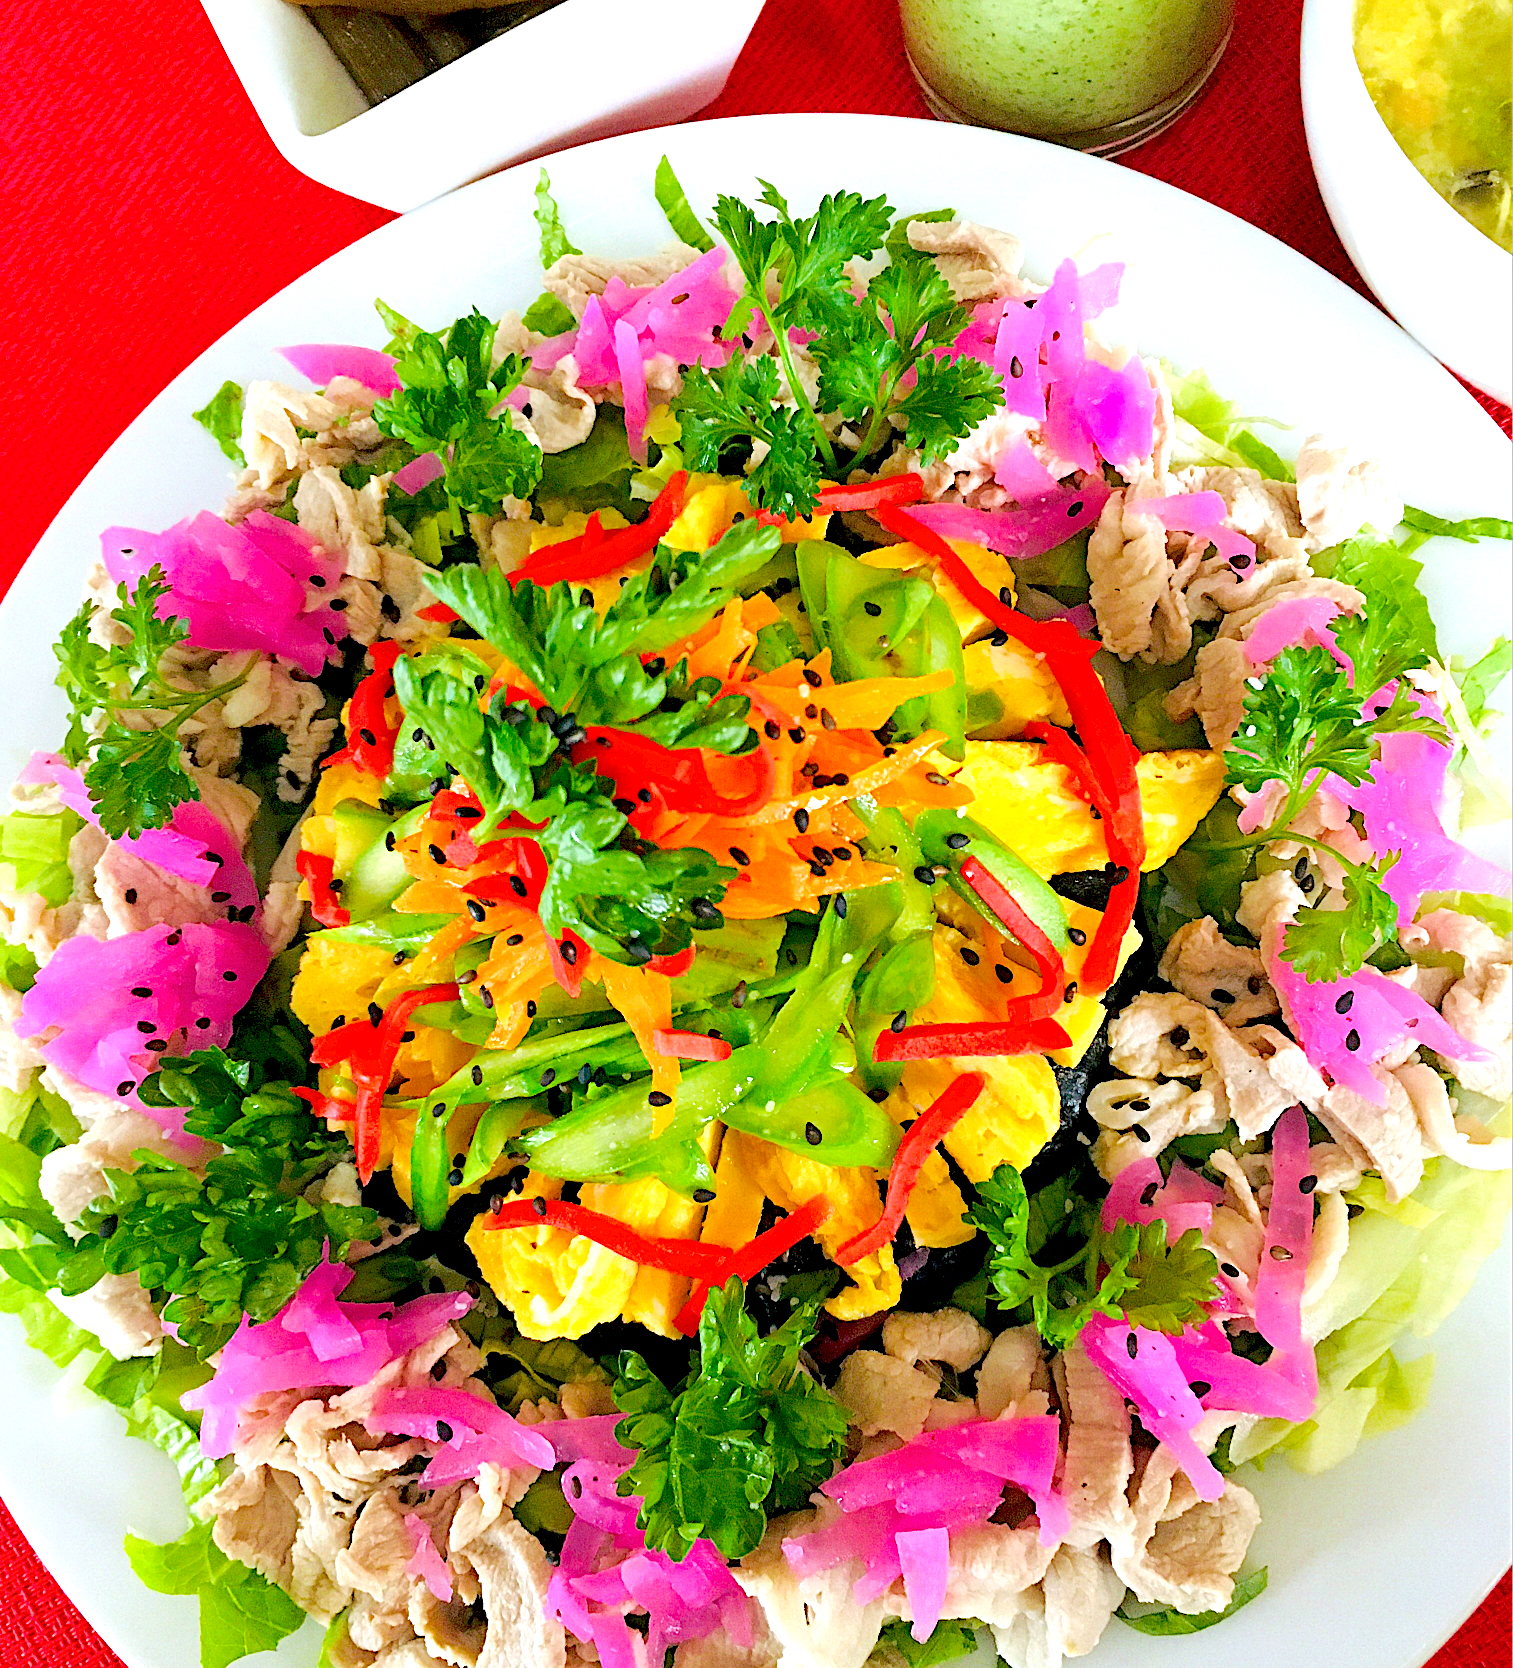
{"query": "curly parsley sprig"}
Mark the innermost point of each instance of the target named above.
(1130, 1272)
(878, 352)
(125, 716)
(748, 1432)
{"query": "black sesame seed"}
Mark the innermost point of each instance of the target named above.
(539, 1206)
(141, 990)
(569, 952)
(486, 996)
(1016, 366)
(476, 909)
(1307, 1184)
(1077, 935)
(899, 1020)
(130, 894)
(518, 886)
(703, 1196)
(657, 1098)
(812, 678)
(1345, 1002)
(956, 841)
(548, 1077)
(1200, 1388)
(801, 820)
(125, 1088)
(795, 734)
(813, 1134)
(1148, 1197)
(1280, 1254)
(970, 957)
(740, 857)
(1132, 1346)
(1005, 975)
(1222, 996)
(1352, 1040)
(1006, 597)
(437, 854)
(933, 776)
(1140, 1132)
(375, 1014)
(1230, 1270)
(873, 608)
(146, 1026)
(925, 875)
(841, 905)
(477, 1076)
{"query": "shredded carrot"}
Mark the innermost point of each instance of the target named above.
(643, 1000)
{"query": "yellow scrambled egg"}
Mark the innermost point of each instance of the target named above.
(1028, 801)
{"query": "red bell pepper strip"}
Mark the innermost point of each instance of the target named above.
(746, 1261)
(690, 1045)
(370, 1050)
(569, 957)
(678, 775)
(330, 1107)
(676, 1256)
(1021, 1010)
(438, 613)
(981, 1037)
(870, 495)
(370, 736)
(1108, 752)
(586, 557)
(920, 1140)
(316, 870)
(674, 966)
(1126, 851)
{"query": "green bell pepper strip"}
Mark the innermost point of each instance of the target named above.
(948, 839)
(901, 982)
(758, 1089)
(391, 930)
(910, 634)
(498, 1126)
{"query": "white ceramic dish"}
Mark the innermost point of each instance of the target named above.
(1444, 281)
(1372, 1565)
(585, 69)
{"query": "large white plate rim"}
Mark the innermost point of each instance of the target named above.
(1433, 1494)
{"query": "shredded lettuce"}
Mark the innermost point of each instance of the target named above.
(1167, 1623)
(1485, 906)
(547, 313)
(34, 849)
(240, 1613)
(221, 419)
(950, 1640)
(1212, 429)
(1478, 527)
(1405, 1268)
(673, 201)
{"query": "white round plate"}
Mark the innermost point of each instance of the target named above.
(1372, 1565)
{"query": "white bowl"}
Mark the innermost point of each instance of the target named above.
(1444, 281)
(583, 70)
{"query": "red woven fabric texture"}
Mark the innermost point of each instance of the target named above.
(143, 211)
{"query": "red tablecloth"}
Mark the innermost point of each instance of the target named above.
(146, 212)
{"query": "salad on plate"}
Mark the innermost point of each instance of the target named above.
(756, 970)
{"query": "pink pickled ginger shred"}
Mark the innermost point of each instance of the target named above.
(1200, 513)
(1153, 1380)
(1022, 475)
(1117, 409)
(1285, 1253)
(425, 1561)
(419, 472)
(316, 1342)
(1016, 358)
(632, 378)
(1399, 806)
(197, 978)
(238, 587)
(1346, 1025)
(1030, 530)
(1184, 1201)
(606, 1570)
(1295, 621)
(679, 318)
(939, 1482)
(924, 1558)
(171, 849)
(322, 362)
(458, 1421)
